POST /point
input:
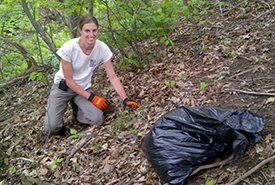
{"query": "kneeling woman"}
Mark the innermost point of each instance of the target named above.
(79, 57)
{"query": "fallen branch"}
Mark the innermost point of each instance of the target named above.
(261, 106)
(213, 165)
(80, 146)
(192, 48)
(220, 7)
(269, 11)
(246, 58)
(261, 78)
(265, 178)
(251, 92)
(252, 170)
(20, 78)
(129, 152)
(230, 10)
(122, 162)
(245, 71)
(113, 182)
(138, 177)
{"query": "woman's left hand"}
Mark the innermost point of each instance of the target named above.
(129, 103)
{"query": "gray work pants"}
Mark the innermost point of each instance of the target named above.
(87, 113)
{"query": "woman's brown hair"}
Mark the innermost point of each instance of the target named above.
(87, 19)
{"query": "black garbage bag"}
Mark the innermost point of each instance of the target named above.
(187, 138)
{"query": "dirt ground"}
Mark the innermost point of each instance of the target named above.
(233, 57)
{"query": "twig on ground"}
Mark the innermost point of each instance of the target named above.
(147, 121)
(265, 177)
(47, 138)
(248, 70)
(129, 152)
(261, 106)
(107, 136)
(228, 11)
(220, 7)
(251, 92)
(269, 11)
(113, 182)
(261, 78)
(87, 140)
(138, 177)
(73, 145)
(213, 165)
(198, 50)
(190, 95)
(80, 146)
(121, 163)
(24, 159)
(252, 170)
(246, 58)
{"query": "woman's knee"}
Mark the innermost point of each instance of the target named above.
(89, 118)
(98, 119)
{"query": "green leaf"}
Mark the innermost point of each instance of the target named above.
(167, 83)
(195, 11)
(12, 169)
(162, 39)
(185, 9)
(173, 83)
(32, 76)
(71, 136)
(209, 182)
(238, 39)
(233, 53)
(73, 131)
(11, 7)
(203, 85)
(56, 161)
(218, 79)
(52, 164)
(81, 134)
(171, 42)
(59, 160)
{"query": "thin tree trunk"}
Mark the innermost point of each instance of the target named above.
(38, 28)
(185, 2)
(91, 7)
(73, 20)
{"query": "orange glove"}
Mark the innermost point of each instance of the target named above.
(129, 103)
(98, 101)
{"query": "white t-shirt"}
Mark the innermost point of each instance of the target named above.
(82, 64)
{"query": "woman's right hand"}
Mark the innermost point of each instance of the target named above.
(98, 101)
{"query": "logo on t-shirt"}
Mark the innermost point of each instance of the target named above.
(92, 63)
(63, 52)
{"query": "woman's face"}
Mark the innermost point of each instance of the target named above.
(89, 33)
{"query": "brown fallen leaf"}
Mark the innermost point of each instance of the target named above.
(270, 100)
(114, 153)
(107, 168)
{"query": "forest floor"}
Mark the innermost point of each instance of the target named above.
(229, 64)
